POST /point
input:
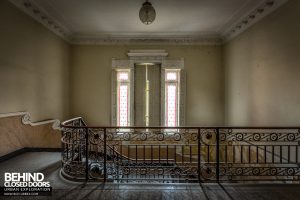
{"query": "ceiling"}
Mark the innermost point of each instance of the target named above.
(114, 20)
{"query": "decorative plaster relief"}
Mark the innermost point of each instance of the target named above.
(31, 8)
(250, 18)
(26, 119)
(34, 9)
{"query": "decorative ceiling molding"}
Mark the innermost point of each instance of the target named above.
(32, 8)
(147, 56)
(39, 11)
(250, 18)
(179, 40)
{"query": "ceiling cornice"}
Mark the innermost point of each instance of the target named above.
(140, 40)
(250, 18)
(32, 8)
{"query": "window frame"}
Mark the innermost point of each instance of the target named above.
(177, 64)
(121, 65)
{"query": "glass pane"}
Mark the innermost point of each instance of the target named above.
(123, 76)
(171, 76)
(171, 110)
(123, 105)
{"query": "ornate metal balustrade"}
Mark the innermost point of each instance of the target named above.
(179, 154)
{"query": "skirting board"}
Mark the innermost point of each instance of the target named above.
(25, 150)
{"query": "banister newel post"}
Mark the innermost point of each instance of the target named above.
(199, 156)
(218, 155)
(86, 154)
(105, 155)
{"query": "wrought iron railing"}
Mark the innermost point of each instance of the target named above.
(179, 154)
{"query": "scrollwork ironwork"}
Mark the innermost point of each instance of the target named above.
(166, 155)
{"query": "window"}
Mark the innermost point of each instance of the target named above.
(172, 97)
(159, 101)
(123, 98)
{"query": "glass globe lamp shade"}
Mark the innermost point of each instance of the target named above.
(147, 13)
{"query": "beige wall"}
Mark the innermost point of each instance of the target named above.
(262, 71)
(91, 81)
(34, 67)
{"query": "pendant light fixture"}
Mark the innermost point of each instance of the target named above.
(147, 13)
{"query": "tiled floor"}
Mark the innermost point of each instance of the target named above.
(49, 164)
